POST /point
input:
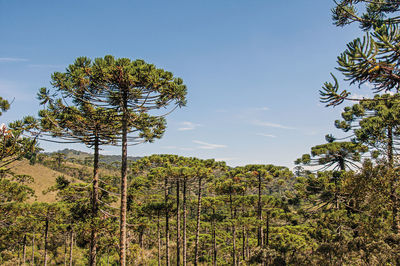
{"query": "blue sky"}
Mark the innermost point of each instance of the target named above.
(253, 68)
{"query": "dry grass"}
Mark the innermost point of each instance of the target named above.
(43, 177)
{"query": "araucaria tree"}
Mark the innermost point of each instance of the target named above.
(132, 89)
(74, 119)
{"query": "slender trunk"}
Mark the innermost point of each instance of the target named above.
(33, 250)
(267, 235)
(166, 222)
(243, 244)
(124, 174)
(393, 197)
(46, 232)
(342, 167)
(71, 246)
(159, 238)
(178, 224)
(24, 251)
(247, 243)
(184, 220)
(214, 240)
(196, 247)
(234, 244)
(243, 233)
(259, 214)
(95, 208)
(65, 250)
(390, 147)
(233, 229)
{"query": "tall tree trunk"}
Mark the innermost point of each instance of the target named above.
(178, 224)
(393, 196)
(24, 251)
(243, 233)
(33, 250)
(46, 232)
(141, 234)
(158, 238)
(71, 246)
(65, 250)
(166, 222)
(95, 206)
(243, 243)
(390, 147)
(233, 229)
(247, 244)
(214, 255)
(259, 214)
(267, 234)
(196, 247)
(124, 179)
(19, 256)
(184, 221)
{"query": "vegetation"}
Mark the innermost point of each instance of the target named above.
(339, 207)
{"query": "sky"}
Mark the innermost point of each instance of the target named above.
(252, 68)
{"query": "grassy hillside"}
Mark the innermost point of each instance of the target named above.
(43, 176)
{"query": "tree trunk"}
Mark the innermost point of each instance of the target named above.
(214, 255)
(71, 246)
(259, 214)
(65, 250)
(33, 250)
(267, 235)
(243, 244)
(178, 224)
(166, 222)
(158, 238)
(46, 232)
(234, 245)
(393, 197)
(196, 247)
(233, 229)
(247, 243)
(95, 207)
(124, 179)
(141, 234)
(24, 251)
(184, 220)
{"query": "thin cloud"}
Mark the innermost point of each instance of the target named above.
(269, 124)
(262, 108)
(266, 135)
(44, 66)
(208, 146)
(12, 59)
(177, 148)
(188, 126)
(186, 149)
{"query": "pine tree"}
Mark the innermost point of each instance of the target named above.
(76, 120)
(132, 89)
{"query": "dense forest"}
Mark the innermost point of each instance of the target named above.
(338, 206)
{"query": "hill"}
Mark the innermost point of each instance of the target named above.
(80, 155)
(43, 176)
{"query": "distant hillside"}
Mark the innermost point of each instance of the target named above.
(80, 155)
(43, 176)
